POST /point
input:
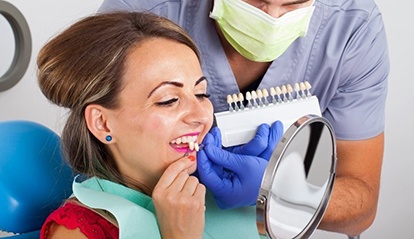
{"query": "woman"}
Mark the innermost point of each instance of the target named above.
(138, 110)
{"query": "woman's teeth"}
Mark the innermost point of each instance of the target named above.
(184, 139)
(190, 140)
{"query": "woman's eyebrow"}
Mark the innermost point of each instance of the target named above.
(174, 83)
(203, 78)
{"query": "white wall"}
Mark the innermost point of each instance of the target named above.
(395, 218)
(45, 19)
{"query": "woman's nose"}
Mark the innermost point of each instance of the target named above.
(198, 111)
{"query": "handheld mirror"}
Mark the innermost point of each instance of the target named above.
(298, 181)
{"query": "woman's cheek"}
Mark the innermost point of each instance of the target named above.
(159, 123)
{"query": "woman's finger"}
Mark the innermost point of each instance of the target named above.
(173, 170)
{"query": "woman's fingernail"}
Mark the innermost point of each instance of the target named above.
(192, 157)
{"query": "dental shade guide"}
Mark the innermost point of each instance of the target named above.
(238, 125)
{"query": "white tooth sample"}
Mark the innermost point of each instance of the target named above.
(260, 96)
(248, 98)
(235, 99)
(254, 97)
(191, 145)
(265, 95)
(284, 92)
(278, 93)
(259, 93)
(278, 90)
(241, 99)
(289, 90)
(229, 101)
(194, 138)
(196, 147)
(178, 141)
(302, 89)
(273, 93)
(173, 142)
(308, 87)
(297, 89)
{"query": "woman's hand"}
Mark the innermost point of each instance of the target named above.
(179, 201)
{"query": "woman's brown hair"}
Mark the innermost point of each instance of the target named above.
(84, 65)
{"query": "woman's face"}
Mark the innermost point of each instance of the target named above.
(163, 99)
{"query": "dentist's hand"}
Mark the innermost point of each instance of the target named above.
(233, 179)
(263, 143)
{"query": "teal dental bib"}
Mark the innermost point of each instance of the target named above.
(135, 212)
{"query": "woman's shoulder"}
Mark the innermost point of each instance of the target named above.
(76, 219)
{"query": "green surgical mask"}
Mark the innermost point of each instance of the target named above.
(255, 34)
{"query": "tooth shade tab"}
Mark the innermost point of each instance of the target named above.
(302, 89)
(273, 94)
(235, 100)
(260, 97)
(254, 97)
(241, 100)
(259, 93)
(229, 101)
(308, 87)
(265, 95)
(297, 89)
(249, 98)
(289, 91)
(284, 89)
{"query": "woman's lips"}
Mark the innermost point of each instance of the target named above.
(181, 148)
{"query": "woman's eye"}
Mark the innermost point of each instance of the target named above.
(202, 96)
(167, 102)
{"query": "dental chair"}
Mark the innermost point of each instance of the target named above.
(34, 178)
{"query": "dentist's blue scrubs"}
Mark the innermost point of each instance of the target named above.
(344, 56)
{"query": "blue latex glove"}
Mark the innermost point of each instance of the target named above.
(263, 143)
(233, 179)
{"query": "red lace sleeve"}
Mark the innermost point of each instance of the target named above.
(73, 216)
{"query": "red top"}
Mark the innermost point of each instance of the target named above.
(73, 216)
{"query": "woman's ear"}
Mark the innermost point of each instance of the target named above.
(97, 124)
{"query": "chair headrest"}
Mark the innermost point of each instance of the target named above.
(34, 177)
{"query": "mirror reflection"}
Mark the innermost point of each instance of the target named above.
(299, 180)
